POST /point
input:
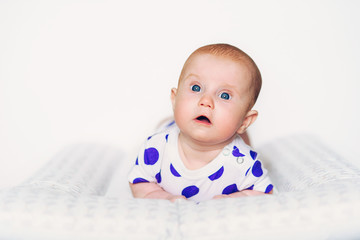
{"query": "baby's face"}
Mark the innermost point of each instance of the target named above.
(212, 99)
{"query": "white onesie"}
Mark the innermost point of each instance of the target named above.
(236, 168)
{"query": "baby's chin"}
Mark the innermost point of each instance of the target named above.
(205, 139)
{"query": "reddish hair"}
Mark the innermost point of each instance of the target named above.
(232, 53)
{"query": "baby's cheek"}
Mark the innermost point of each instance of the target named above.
(183, 107)
(181, 116)
(227, 128)
(229, 123)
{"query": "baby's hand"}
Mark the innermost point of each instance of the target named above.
(221, 196)
(243, 193)
(233, 195)
(173, 198)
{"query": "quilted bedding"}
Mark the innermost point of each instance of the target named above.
(82, 193)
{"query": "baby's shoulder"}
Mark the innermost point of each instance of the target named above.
(151, 152)
(240, 149)
(160, 138)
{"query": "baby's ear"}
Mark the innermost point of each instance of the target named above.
(248, 120)
(173, 95)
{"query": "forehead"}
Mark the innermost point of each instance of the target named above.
(220, 67)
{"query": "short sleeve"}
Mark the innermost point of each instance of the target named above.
(256, 177)
(146, 167)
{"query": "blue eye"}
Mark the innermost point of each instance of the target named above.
(225, 96)
(195, 88)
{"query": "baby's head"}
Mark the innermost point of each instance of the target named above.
(217, 88)
(233, 53)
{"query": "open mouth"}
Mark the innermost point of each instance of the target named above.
(203, 119)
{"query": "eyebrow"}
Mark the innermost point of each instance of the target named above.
(229, 86)
(190, 75)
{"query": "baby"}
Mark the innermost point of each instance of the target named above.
(201, 155)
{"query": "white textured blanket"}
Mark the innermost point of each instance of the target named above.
(82, 193)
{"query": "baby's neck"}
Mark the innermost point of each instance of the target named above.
(196, 155)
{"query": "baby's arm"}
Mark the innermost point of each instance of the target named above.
(152, 191)
(243, 193)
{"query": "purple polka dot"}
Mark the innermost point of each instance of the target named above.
(166, 137)
(250, 188)
(171, 123)
(230, 189)
(247, 172)
(149, 138)
(151, 156)
(190, 191)
(256, 169)
(269, 188)
(253, 154)
(236, 152)
(158, 177)
(217, 175)
(173, 171)
(139, 180)
(137, 161)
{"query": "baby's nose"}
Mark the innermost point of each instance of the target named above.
(206, 101)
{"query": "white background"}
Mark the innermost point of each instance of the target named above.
(101, 71)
